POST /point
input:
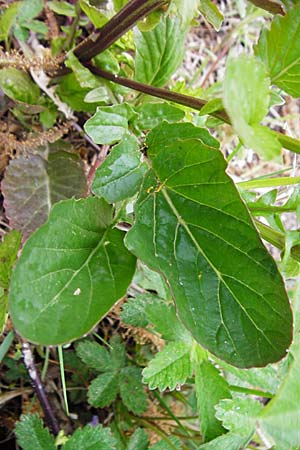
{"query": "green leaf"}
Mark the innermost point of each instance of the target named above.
(246, 99)
(84, 77)
(165, 444)
(91, 438)
(97, 17)
(109, 124)
(132, 391)
(29, 10)
(199, 235)
(9, 248)
(239, 415)
(211, 13)
(187, 10)
(159, 52)
(229, 441)
(43, 184)
(211, 387)
(31, 434)
(103, 389)
(7, 19)
(165, 321)
(62, 8)
(117, 352)
(281, 417)
(281, 58)
(70, 92)
(170, 367)
(18, 86)
(134, 310)
(138, 441)
(65, 282)
(152, 114)
(94, 355)
(3, 309)
(121, 174)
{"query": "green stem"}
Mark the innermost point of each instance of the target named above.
(275, 237)
(256, 392)
(70, 39)
(287, 142)
(270, 182)
(63, 379)
(260, 210)
(4, 347)
(46, 364)
(157, 430)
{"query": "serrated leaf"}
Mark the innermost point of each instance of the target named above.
(32, 185)
(131, 390)
(211, 387)
(281, 417)
(138, 441)
(117, 352)
(281, 58)
(103, 389)
(159, 52)
(31, 434)
(246, 96)
(18, 86)
(239, 415)
(165, 321)
(170, 367)
(94, 355)
(211, 13)
(9, 248)
(134, 310)
(120, 175)
(71, 272)
(152, 114)
(229, 441)
(91, 438)
(171, 443)
(199, 235)
(109, 124)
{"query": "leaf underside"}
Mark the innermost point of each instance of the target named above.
(192, 227)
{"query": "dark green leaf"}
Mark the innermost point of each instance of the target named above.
(43, 184)
(159, 52)
(165, 444)
(281, 58)
(70, 273)
(138, 441)
(70, 92)
(132, 391)
(91, 438)
(211, 387)
(170, 367)
(31, 434)
(133, 311)
(121, 174)
(152, 114)
(117, 352)
(9, 248)
(94, 355)
(199, 234)
(18, 86)
(103, 389)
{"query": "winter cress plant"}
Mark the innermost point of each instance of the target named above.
(216, 295)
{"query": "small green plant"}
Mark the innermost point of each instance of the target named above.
(158, 218)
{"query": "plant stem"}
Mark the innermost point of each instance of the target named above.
(256, 392)
(39, 388)
(269, 182)
(70, 39)
(116, 27)
(157, 430)
(63, 379)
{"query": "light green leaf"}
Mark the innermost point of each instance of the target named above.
(211, 13)
(211, 387)
(84, 77)
(8, 18)
(29, 10)
(97, 17)
(121, 174)
(18, 86)
(91, 438)
(281, 58)
(170, 367)
(94, 355)
(170, 443)
(37, 26)
(187, 10)
(165, 321)
(159, 52)
(103, 389)
(131, 390)
(239, 415)
(109, 124)
(138, 441)
(97, 95)
(31, 434)
(246, 99)
(9, 248)
(152, 114)
(229, 441)
(3, 308)
(71, 272)
(70, 92)
(63, 8)
(281, 417)
(199, 235)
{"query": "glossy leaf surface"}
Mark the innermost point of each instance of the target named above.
(70, 273)
(192, 226)
(279, 49)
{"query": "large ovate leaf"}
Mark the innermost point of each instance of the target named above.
(121, 174)
(18, 86)
(246, 99)
(71, 272)
(211, 387)
(152, 114)
(170, 367)
(32, 185)
(281, 417)
(279, 49)
(31, 434)
(159, 52)
(192, 226)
